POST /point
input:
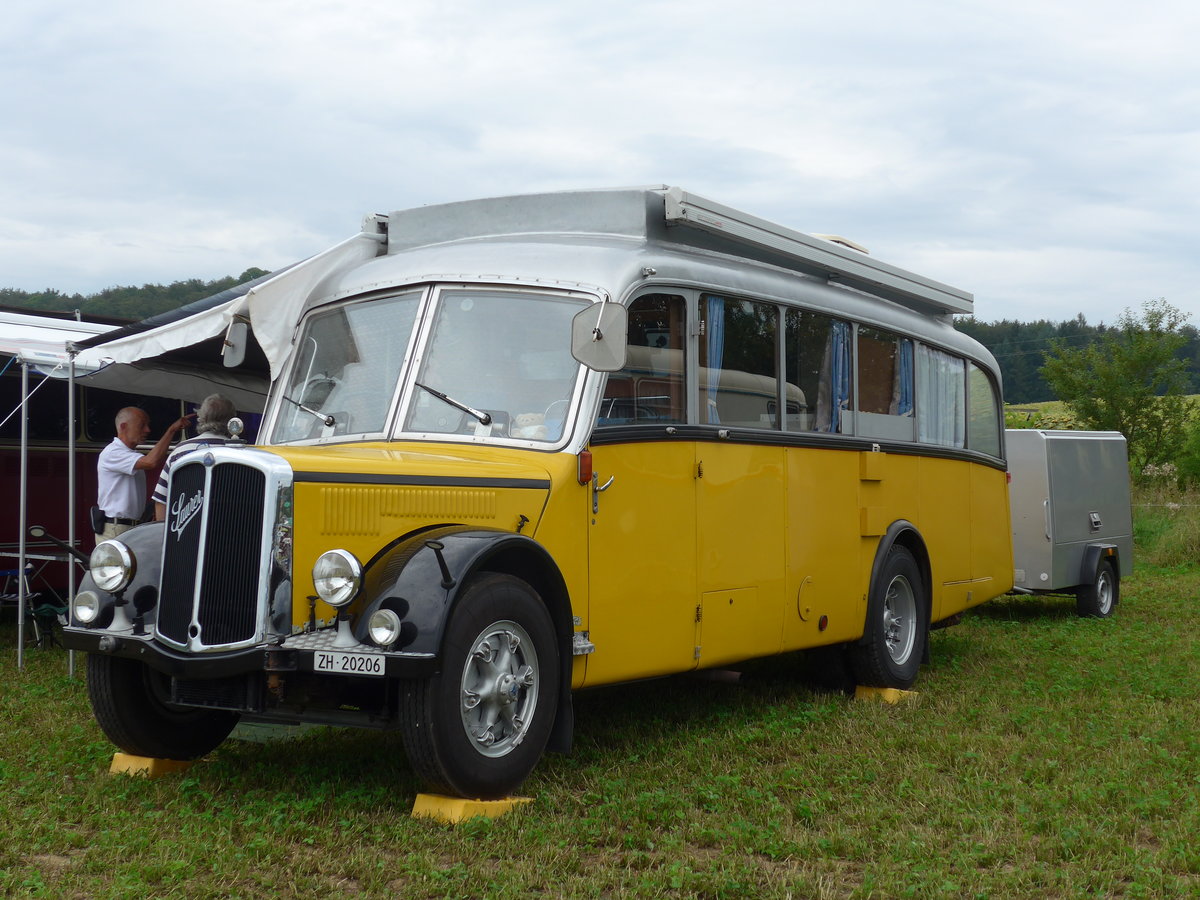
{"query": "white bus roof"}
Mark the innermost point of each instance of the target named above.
(670, 217)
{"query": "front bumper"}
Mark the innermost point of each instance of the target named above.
(293, 654)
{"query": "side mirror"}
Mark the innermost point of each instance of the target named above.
(598, 336)
(236, 336)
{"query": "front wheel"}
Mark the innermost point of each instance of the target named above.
(897, 627)
(478, 727)
(1099, 599)
(133, 707)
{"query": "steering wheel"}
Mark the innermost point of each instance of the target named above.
(549, 414)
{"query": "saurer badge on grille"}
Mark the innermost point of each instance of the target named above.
(183, 510)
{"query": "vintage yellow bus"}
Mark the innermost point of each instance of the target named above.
(541, 443)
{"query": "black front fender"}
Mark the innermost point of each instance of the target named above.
(421, 577)
(145, 544)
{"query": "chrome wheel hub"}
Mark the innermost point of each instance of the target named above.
(1104, 594)
(499, 688)
(899, 620)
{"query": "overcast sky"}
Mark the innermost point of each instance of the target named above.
(1040, 154)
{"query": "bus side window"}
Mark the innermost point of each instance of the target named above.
(885, 385)
(941, 401)
(738, 373)
(47, 408)
(983, 412)
(650, 389)
(817, 371)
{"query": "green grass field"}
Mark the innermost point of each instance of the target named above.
(1043, 756)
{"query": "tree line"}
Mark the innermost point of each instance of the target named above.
(1021, 347)
(126, 302)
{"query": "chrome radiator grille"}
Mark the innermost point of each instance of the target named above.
(214, 554)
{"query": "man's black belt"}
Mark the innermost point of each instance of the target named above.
(117, 520)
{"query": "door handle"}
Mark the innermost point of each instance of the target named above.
(598, 489)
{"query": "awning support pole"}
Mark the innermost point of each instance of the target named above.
(22, 597)
(72, 505)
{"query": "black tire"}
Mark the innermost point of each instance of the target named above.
(132, 704)
(897, 626)
(1099, 599)
(449, 744)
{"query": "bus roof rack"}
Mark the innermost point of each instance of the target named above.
(816, 255)
(671, 215)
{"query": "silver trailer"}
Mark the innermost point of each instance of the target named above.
(1071, 516)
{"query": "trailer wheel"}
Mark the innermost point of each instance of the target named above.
(478, 727)
(893, 643)
(1099, 599)
(132, 704)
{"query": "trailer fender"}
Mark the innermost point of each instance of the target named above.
(1091, 561)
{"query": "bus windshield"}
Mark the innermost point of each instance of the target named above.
(494, 364)
(344, 377)
(497, 363)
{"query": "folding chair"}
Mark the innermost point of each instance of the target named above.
(41, 613)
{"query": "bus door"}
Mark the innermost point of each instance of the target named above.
(741, 486)
(741, 534)
(642, 560)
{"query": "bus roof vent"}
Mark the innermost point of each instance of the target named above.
(844, 241)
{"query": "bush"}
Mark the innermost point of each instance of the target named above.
(1048, 419)
(1131, 381)
(1189, 457)
(1166, 520)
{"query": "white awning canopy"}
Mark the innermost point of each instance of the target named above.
(42, 341)
(143, 356)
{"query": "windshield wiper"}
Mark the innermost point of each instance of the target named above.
(326, 420)
(482, 417)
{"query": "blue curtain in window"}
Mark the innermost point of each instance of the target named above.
(715, 323)
(905, 374)
(839, 374)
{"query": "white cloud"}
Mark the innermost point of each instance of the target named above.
(1040, 155)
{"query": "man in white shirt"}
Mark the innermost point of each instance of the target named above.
(212, 427)
(121, 469)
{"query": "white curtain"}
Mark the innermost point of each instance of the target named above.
(941, 398)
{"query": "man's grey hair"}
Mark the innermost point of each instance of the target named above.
(128, 414)
(214, 414)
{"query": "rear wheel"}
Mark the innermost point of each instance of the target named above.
(132, 704)
(1099, 599)
(478, 728)
(897, 627)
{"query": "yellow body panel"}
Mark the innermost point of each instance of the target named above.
(642, 546)
(747, 550)
(946, 526)
(697, 554)
(824, 549)
(740, 533)
(364, 517)
(991, 550)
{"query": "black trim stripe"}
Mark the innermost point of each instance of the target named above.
(422, 480)
(639, 434)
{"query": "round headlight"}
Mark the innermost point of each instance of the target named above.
(337, 576)
(384, 627)
(85, 607)
(112, 566)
